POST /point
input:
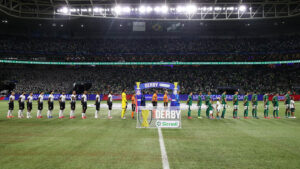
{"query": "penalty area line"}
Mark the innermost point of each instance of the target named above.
(163, 151)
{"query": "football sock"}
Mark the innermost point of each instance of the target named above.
(109, 113)
(223, 112)
(199, 112)
(123, 113)
(96, 114)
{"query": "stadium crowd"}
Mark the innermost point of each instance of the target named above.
(195, 79)
(150, 50)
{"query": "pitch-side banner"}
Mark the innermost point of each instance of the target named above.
(151, 117)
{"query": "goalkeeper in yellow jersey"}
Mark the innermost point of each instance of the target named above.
(124, 104)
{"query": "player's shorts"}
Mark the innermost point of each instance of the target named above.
(133, 107)
(62, 105)
(73, 105)
(50, 105)
(235, 107)
(40, 106)
(246, 107)
(11, 106)
(97, 106)
(154, 104)
(165, 104)
(84, 105)
(276, 108)
(109, 106)
(287, 106)
(29, 106)
(266, 107)
(292, 109)
(210, 112)
(21, 106)
(218, 109)
(199, 107)
(254, 106)
(224, 106)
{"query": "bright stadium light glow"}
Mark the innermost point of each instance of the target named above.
(218, 8)
(142, 9)
(149, 9)
(65, 10)
(97, 10)
(190, 9)
(117, 10)
(164, 9)
(180, 9)
(161, 9)
(242, 8)
(126, 9)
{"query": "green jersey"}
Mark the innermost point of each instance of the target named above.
(190, 100)
(223, 97)
(207, 100)
(287, 99)
(235, 100)
(199, 100)
(254, 99)
(246, 102)
(275, 100)
(266, 99)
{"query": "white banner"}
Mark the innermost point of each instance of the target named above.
(139, 26)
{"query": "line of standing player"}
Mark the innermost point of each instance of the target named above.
(222, 104)
(62, 104)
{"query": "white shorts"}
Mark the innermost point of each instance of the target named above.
(210, 112)
(266, 107)
(218, 110)
(246, 107)
(287, 106)
(254, 106)
(276, 108)
(235, 107)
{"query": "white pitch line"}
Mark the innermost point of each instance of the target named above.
(163, 151)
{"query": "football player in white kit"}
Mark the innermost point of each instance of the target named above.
(84, 104)
(29, 105)
(40, 105)
(292, 106)
(73, 105)
(62, 105)
(50, 105)
(97, 104)
(21, 101)
(11, 105)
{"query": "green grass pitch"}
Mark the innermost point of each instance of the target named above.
(103, 143)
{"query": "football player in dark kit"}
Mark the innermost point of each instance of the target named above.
(62, 105)
(73, 105)
(11, 105)
(84, 104)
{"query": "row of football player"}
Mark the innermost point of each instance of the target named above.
(289, 102)
(222, 103)
(62, 101)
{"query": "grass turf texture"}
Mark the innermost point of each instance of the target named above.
(103, 143)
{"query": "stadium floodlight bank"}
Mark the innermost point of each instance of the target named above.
(160, 11)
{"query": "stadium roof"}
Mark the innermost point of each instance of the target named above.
(204, 9)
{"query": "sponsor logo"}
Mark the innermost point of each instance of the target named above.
(167, 124)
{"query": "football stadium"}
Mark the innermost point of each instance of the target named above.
(149, 84)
